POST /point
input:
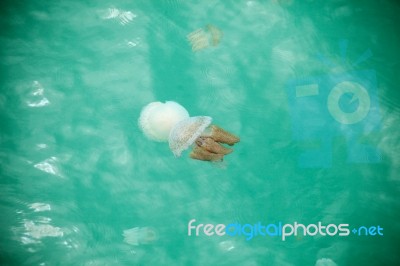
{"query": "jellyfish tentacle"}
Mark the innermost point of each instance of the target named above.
(220, 135)
(199, 153)
(212, 146)
(216, 34)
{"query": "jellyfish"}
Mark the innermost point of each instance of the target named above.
(325, 262)
(203, 38)
(207, 140)
(139, 235)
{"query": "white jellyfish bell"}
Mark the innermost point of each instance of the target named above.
(157, 119)
(161, 122)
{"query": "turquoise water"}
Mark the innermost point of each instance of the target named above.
(81, 185)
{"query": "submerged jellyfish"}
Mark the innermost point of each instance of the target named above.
(139, 235)
(207, 140)
(325, 262)
(203, 38)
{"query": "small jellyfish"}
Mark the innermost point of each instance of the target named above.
(207, 140)
(139, 235)
(325, 262)
(205, 37)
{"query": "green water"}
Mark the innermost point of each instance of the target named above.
(76, 171)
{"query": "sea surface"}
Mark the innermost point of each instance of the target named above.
(311, 87)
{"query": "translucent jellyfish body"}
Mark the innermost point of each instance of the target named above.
(325, 262)
(204, 37)
(157, 119)
(139, 235)
(207, 140)
(186, 132)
